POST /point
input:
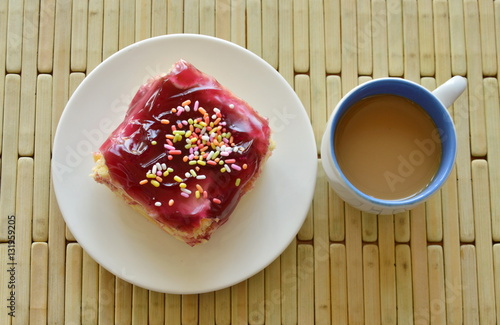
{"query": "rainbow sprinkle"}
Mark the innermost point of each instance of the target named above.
(202, 141)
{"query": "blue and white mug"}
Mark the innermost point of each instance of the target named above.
(435, 105)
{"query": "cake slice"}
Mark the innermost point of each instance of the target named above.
(186, 152)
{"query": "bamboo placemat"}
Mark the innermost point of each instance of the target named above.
(436, 264)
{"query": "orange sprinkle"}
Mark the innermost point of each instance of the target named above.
(217, 121)
(164, 121)
(170, 136)
(144, 181)
(245, 166)
(186, 102)
(170, 157)
(159, 179)
(185, 158)
(174, 110)
(202, 111)
(171, 202)
(199, 188)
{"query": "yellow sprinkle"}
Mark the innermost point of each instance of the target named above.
(150, 175)
(222, 170)
(188, 134)
(182, 185)
(177, 179)
(154, 143)
(192, 162)
(193, 173)
(170, 169)
(155, 183)
(201, 162)
(165, 173)
(197, 194)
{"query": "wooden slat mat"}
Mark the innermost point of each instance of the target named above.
(437, 264)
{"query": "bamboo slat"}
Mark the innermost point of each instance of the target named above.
(270, 38)
(371, 285)
(46, 35)
(38, 283)
(94, 33)
(28, 81)
(9, 151)
(79, 20)
(305, 286)
(14, 36)
(301, 35)
(207, 17)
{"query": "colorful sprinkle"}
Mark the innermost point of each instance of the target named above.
(177, 179)
(144, 181)
(238, 181)
(158, 204)
(171, 202)
(216, 201)
(155, 183)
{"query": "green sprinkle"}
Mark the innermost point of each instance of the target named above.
(238, 181)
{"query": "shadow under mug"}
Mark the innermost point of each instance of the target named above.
(434, 103)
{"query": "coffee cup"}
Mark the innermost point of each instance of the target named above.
(390, 143)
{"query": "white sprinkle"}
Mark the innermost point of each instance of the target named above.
(227, 168)
(201, 177)
(214, 116)
(231, 106)
(185, 190)
(187, 174)
(210, 155)
(158, 204)
(158, 166)
(216, 110)
(163, 166)
(153, 171)
(187, 108)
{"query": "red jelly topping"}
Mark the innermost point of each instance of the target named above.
(186, 148)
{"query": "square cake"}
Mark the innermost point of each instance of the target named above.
(187, 150)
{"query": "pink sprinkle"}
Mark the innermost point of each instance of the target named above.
(169, 147)
(230, 161)
(216, 201)
(159, 173)
(205, 194)
(170, 143)
(180, 109)
(224, 153)
(235, 167)
(185, 194)
(196, 105)
(191, 157)
(184, 122)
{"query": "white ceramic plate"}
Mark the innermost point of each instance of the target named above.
(126, 244)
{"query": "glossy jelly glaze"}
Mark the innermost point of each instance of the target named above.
(187, 148)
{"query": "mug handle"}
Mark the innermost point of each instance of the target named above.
(448, 92)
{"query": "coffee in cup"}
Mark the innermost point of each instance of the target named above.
(390, 143)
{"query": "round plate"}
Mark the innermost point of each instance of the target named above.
(266, 219)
